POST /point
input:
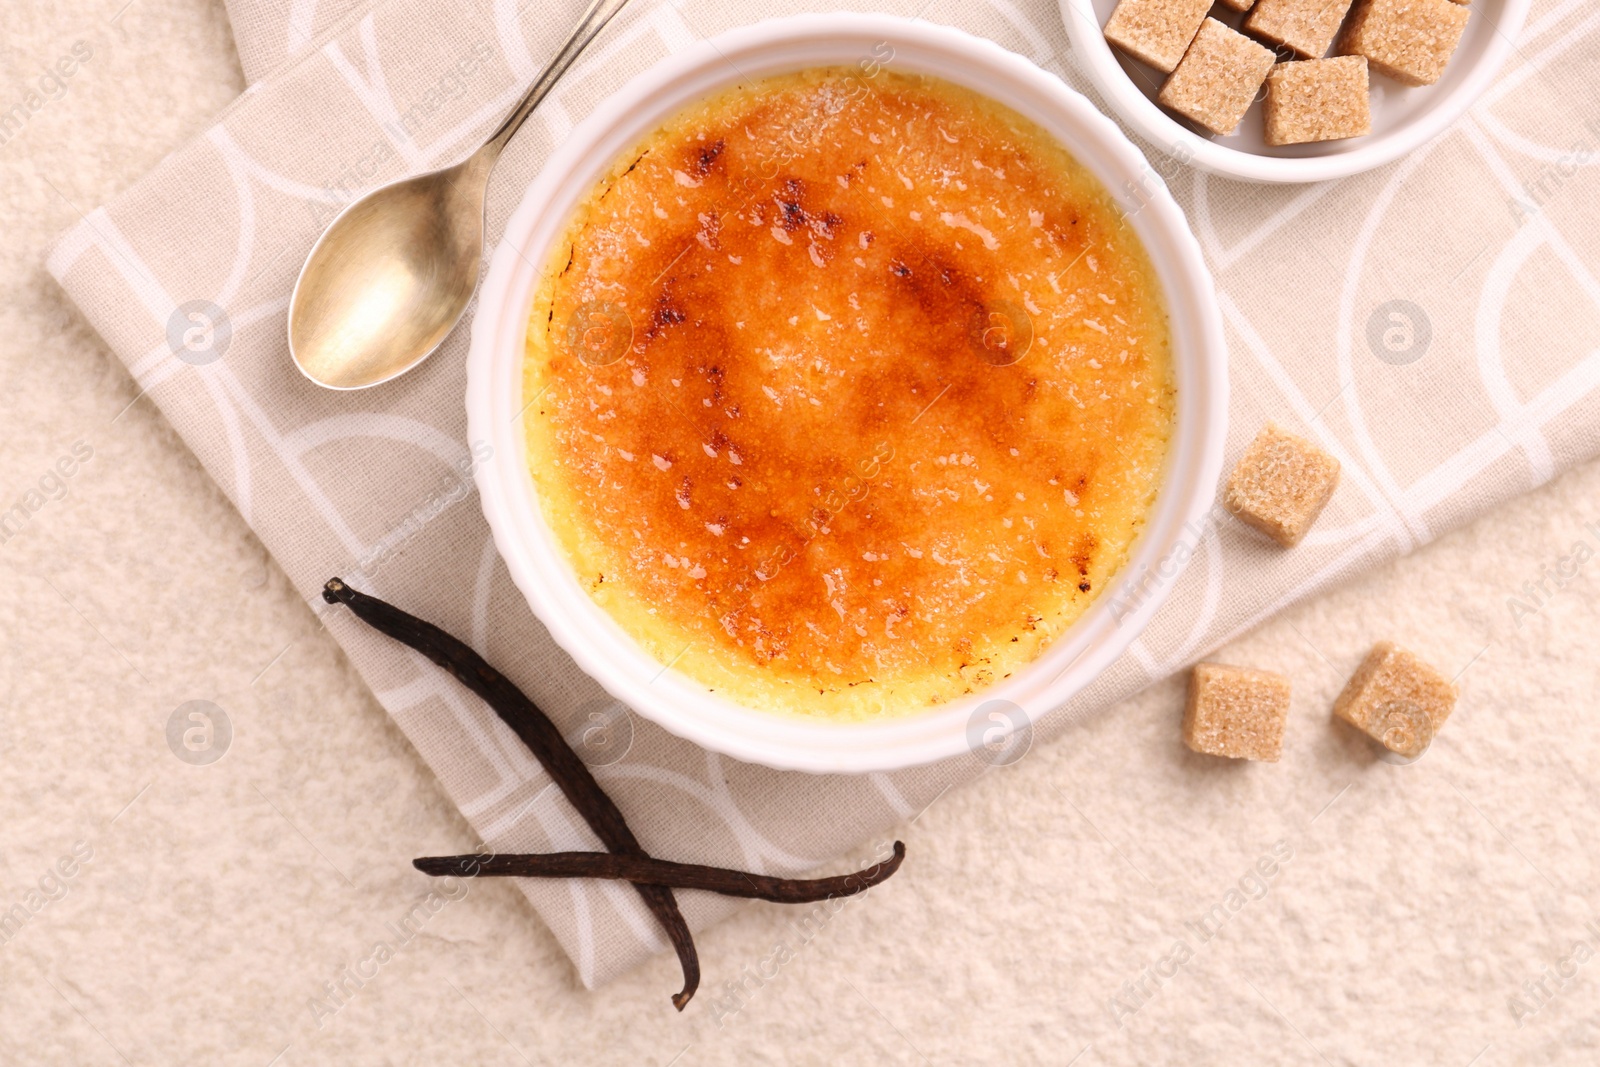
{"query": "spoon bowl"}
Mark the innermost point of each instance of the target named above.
(389, 279)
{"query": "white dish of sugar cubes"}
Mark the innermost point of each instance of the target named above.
(1309, 89)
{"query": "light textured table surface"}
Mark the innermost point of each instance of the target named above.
(1427, 914)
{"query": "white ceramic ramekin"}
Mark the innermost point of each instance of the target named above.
(1403, 117)
(494, 390)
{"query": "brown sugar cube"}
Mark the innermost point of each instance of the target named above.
(1156, 31)
(1409, 40)
(1236, 712)
(1218, 78)
(1307, 26)
(1280, 484)
(1244, 5)
(1317, 100)
(1396, 699)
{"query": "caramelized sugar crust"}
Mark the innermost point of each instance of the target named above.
(849, 393)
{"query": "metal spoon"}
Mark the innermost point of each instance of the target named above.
(391, 275)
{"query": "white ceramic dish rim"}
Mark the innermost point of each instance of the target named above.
(1100, 63)
(591, 637)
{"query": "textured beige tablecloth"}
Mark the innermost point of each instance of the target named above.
(1500, 400)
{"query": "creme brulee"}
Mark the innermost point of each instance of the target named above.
(849, 394)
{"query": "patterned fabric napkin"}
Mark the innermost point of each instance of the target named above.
(1433, 324)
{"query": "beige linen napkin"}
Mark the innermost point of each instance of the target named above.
(1433, 324)
(270, 33)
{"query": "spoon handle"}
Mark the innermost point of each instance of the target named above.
(594, 20)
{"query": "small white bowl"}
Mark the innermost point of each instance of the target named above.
(494, 392)
(1403, 117)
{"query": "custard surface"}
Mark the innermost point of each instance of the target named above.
(847, 394)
